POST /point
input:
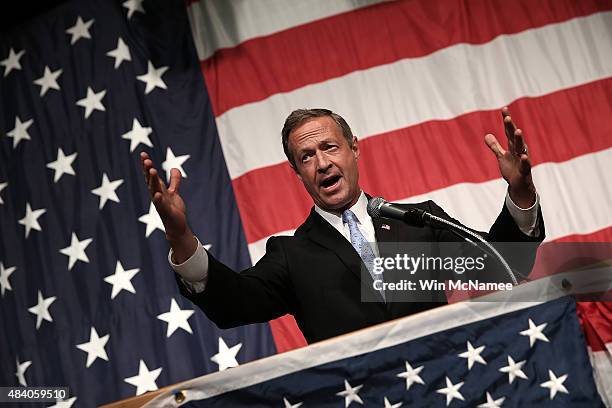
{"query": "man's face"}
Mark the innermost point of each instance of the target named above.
(325, 163)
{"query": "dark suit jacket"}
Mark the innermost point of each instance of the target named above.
(316, 276)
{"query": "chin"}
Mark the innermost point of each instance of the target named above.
(335, 204)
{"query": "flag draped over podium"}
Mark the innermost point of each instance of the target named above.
(468, 354)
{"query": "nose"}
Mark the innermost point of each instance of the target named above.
(323, 163)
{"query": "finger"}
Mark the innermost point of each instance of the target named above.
(175, 180)
(509, 128)
(155, 182)
(494, 145)
(505, 112)
(146, 166)
(143, 160)
(520, 148)
(157, 198)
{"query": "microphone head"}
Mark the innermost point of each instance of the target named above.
(374, 205)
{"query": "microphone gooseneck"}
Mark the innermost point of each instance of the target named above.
(378, 207)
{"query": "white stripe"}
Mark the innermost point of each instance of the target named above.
(602, 372)
(257, 249)
(219, 24)
(453, 81)
(569, 205)
(367, 340)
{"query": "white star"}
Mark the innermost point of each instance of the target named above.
(93, 101)
(226, 357)
(120, 54)
(30, 221)
(138, 135)
(62, 165)
(491, 403)
(451, 391)
(2, 187)
(21, 369)
(76, 250)
(350, 394)
(176, 318)
(12, 61)
(121, 280)
(535, 333)
(514, 370)
(20, 131)
(411, 375)
(288, 404)
(106, 191)
(133, 6)
(153, 220)
(145, 380)
(153, 78)
(555, 384)
(41, 310)
(389, 405)
(94, 347)
(79, 30)
(64, 404)
(48, 80)
(5, 274)
(174, 162)
(473, 355)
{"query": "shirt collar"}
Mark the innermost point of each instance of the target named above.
(360, 209)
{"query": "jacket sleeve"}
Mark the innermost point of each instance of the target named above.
(517, 248)
(255, 295)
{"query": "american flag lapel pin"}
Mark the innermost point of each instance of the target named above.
(385, 226)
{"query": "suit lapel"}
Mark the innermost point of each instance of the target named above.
(321, 232)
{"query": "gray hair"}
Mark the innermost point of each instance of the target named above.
(299, 116)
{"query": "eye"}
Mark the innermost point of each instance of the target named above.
(330, 147)
(306, 157)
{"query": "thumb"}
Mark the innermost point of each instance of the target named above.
(494, 146)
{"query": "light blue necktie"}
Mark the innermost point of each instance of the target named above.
(361, 244)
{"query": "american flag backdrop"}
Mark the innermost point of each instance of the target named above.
(87, 298)
(483, 354)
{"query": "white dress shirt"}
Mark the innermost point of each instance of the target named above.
(194, 271)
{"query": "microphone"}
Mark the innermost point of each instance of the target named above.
(378, 207)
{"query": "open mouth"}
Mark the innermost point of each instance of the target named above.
(330, 183)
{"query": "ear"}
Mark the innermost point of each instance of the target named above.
(355, 148)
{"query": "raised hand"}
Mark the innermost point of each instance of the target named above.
(514, 163)
(171, 208)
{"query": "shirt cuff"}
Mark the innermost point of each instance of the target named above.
(194, 271)
(525, 218)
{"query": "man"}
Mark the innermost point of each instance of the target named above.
(316, 275)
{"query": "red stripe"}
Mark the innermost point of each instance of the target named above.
(368, 37)
(438, 154)
(286, 333)
(596, 321)
(560, 255)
